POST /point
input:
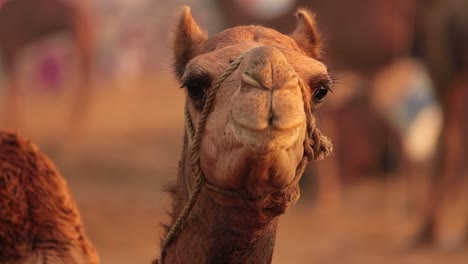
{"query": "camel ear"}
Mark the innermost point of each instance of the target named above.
(187, 36)
(306, 35)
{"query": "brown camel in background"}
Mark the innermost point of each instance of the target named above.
(443, 43)
(252, 147)
(39, 221)
(25, 22)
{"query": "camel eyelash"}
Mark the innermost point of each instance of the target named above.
(196, 76)
(321, 80)
(320, 85)
(197, 85)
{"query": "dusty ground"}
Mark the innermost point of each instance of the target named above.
(129, 150)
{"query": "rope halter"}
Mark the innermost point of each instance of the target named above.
(316, 146)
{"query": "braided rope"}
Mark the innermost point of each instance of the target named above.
(188, 124)
(310, 121)
(195, 136)
(316, 146)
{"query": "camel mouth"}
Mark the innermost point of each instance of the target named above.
(267, 138)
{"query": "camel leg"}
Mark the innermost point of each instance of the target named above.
(328, 172)
(83, 89)
(329, 187)
(81, 98)
(12, 94)
(464, 157)
(451, 161)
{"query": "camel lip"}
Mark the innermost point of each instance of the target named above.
(271, 128)
(266, 139)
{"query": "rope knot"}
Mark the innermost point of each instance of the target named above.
(322, 146)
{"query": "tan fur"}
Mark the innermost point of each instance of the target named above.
(39, 221)
(186, 37)
(253, 139)
(306, 34)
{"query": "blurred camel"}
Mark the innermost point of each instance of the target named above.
(442, 32)
(25, 22)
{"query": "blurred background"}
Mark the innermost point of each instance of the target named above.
(90, 82)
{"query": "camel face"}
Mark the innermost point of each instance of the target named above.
(266, 112)
(253, 139)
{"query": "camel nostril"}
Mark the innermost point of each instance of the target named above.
(271, 118)
(248, 79)
(267, 68)
(292, 81)
(256, 82)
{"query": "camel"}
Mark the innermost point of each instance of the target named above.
(24, 23)
(443, 37)
(40, 222)
(250, 96)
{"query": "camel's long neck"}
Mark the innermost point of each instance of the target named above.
(234, 232)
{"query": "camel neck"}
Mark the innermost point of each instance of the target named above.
(236, 231)
(211, 235)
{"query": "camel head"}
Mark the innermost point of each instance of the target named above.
(253, 140)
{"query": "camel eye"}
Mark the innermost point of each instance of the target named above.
(320, 84)
(197, 85)
(195, 89)
(320, 93)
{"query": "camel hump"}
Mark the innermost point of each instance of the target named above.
(38, 216)
(14, 229)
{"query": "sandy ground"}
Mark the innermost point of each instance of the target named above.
(129, 150)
